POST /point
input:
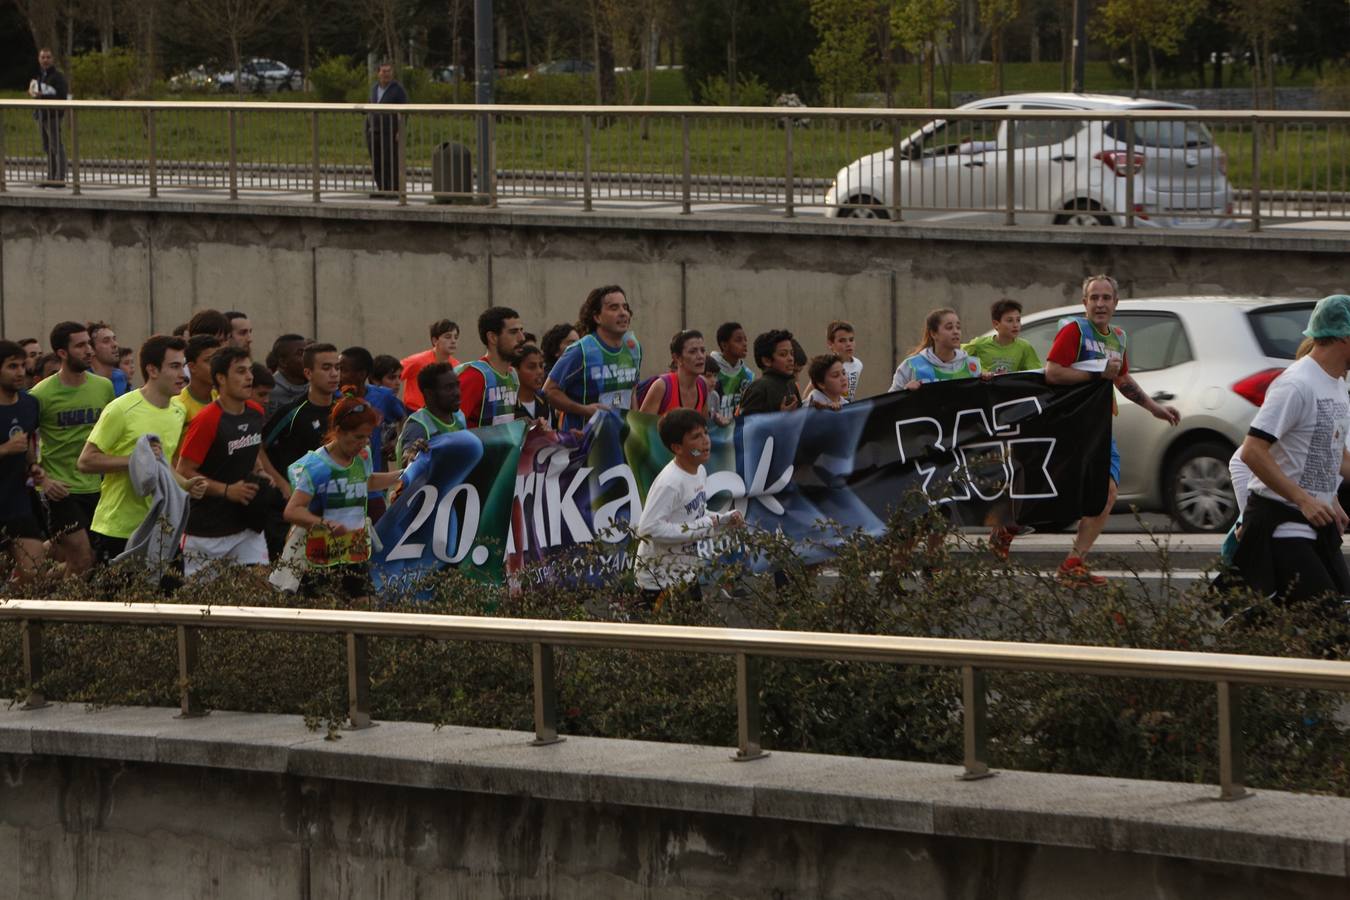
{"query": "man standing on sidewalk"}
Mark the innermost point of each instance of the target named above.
(50, 84)
(1090, 348)
(382, 133)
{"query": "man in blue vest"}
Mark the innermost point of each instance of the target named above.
(382, 132)
(600, 370)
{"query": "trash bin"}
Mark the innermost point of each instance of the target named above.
(452, 173)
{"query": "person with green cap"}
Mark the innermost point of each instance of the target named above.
(1296, 449)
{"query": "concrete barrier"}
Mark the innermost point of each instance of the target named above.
(132, 803)
(378, 275)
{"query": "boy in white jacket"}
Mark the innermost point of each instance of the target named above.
(675, 516)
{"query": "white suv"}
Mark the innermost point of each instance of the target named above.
(1065, 172)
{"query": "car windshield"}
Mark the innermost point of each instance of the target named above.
(1279, 329)
(1168, 135)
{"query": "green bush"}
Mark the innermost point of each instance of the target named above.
(1117, 727)
(112, 75)
(1333, 88)
(547, 90)
(336, 79)
(714, 91)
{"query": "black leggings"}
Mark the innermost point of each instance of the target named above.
(1301, 573)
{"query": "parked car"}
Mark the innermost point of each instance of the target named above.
(1213, 359)
(263, 75)
(1065, 172)
(197, 78)
(562, 67)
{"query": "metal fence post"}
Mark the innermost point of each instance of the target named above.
(233, 119)
(788, 186)
(545, 697)
(4, 163)
(189, 638)
(975, 720)
(895, 171)
(586, 162)
(747, 709)
(1129, 168)
(686, 182)
(358, 681)
(401, 137)
(153, 162)
(1232, 758)
(316, 176)
(74, 153)
(1256, 176)
(31, 630)
(1010, 180)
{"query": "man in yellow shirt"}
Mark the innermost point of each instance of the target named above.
(108, 451)
(198, 393)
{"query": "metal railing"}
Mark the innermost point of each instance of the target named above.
(975, 658)
(1026, 166)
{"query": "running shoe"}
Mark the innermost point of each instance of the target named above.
(1074, 572)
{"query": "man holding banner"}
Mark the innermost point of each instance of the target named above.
(601, 369)
(441, 415)
(1089, 348)
(489, 386)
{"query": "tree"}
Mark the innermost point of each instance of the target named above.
(233, 22)
(1260, 22)
(1160, 25)
(843, 58)
(996, 16)
(921, 25)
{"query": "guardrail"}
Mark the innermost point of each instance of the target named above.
(1180, 168)
(1227, 672)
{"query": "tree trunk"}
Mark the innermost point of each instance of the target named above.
(1035, 43)
(1218, 69)
(238, 64)
(1134, 65)
(732, 92)
(1152, 70)
(456, 51)
(595, 51)
(1256, 74)
(929, 51)
(996, 45)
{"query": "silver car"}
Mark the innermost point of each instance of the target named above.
(1210, 357)
(1064, 171)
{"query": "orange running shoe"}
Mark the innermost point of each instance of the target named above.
(1075, 573)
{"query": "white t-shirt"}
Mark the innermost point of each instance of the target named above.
(853, 369)
(819, 400)
(1307, 413)
(673, 520)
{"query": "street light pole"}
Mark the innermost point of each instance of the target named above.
(1079, 43)
(484, 65)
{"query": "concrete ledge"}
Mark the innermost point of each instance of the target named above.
(1274, 830)
(700, 223)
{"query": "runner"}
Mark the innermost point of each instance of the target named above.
(776, 391)
(221, 445)
(197, 394)
(126, 361)
(287, 361)
(107, 358)
(241, 330)
(387, 372)
(20, 534)
(1290, 546)
(440, 386)
(841, 339)
(726, 366)
(829, 382)
(555, 341)
(489, 386)
(444, 342)
(263, 385)
(212, 322)
(684, 387)
(330, 486)
(354, 373)
(70, 403)
(1089, 348)
(108, 451)
(294, 430)
(600, 369)
(939, 357)
(1004, 351)
(530, 404)
(32, 351)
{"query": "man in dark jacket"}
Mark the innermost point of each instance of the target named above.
(382, 133)
(50, 84)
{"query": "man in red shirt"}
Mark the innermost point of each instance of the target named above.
(1090, 348)
(444, 340)
(489, 387)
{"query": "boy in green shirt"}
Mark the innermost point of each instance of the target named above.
(1004, 351)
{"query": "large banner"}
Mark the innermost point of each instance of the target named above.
(494, 500)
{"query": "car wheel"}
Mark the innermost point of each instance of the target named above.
(1079, 214)
(1199, 490)
(864, 208)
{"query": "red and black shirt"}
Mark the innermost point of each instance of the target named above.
(225, 447)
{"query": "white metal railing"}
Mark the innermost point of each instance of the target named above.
(1180, 168)
(1227, 672)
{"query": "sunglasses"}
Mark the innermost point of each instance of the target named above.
(356, 410)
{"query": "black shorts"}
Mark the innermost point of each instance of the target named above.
(106, 548)
(22, 528)
(74, 513)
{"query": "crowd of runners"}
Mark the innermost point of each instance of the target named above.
(201, 449)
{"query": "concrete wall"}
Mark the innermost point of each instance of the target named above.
(132, 803)
(378, 277)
